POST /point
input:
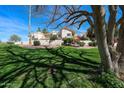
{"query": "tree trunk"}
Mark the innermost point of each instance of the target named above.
(120, 46)
(120, 49)
(100, 28)
(110, 37)
(111, 24)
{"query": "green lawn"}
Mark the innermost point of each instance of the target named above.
(60, 67)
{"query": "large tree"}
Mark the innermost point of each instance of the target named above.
(111, 58)
(14, 38)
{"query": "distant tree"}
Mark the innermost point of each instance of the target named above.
(38, 29)
(53, 37)
(44, 30)
(14, 38)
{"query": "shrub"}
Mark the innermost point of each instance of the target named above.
(109, 80)
(93, 43)
(81, 43)
(68, 40)
(53, 37)
(90, 43)
(10, 42)
(36, 43)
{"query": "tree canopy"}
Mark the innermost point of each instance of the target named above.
(38, 29)
(44, 30)
(14, 38)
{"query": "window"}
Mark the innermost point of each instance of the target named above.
(68, 34)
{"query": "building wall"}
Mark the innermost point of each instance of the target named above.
(38, 35)
(64, 34)
(54, 33)
(48, 43)
(56, 43)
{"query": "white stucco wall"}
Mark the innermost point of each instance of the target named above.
(44, 42)
(26, 43)
(38, 35)
(48, 43)
(56, 43)
(65, 32)
(54, 32)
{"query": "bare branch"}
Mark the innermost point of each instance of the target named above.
(68, 9)
(90, 21)
(71, 15)
(82, 23)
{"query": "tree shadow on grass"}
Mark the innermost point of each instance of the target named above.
(57, 69)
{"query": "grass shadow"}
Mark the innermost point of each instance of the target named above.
(53, 69)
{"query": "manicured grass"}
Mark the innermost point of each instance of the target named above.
(60, 67)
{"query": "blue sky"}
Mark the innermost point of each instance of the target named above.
(14, 20)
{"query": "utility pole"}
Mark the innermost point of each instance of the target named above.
(29, 25)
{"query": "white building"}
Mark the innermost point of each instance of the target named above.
(37, 36)
(66, 33)
(54, 32)
(42, 37)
